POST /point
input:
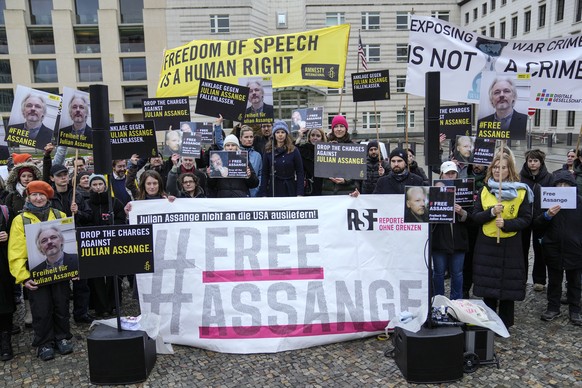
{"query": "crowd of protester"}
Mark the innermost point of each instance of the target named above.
(486, 249)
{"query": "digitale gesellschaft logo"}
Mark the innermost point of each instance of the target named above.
(545, 96)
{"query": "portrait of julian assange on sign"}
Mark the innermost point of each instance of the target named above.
(52, 250)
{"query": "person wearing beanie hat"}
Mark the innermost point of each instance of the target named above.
(535, 174)
(50, 302)
(230, 140)
(339, 130)
(399, 177)
(375, 168)
(21, 158)
(102, 288)
(40, 187)
(561, 250)
(280, 124)
(283, 158)
(339, 134)
(82, 183)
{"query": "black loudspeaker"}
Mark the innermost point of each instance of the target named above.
(100, 123)
(119, 357)
(430, 355)
(432, 127)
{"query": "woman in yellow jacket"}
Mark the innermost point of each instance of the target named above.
(49, 303)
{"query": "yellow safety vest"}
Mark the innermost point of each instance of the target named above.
(510, 210)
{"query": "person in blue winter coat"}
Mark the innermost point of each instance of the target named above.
(287, 179)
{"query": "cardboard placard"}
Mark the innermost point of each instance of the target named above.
(219, 98)
(340, 160)
(228, 164)
(456, 120)
(464, 189)
(115, 250)
(166, 113)
(371, 86)
(130, 138)
(51, 248)
(75, 123)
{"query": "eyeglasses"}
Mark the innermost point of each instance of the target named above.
(187, 182)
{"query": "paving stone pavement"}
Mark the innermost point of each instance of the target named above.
(537, 354)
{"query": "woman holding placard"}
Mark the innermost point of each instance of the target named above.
(502, 209)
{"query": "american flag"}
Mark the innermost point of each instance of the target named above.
(362, 54)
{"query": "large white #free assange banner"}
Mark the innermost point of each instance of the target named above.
(259, 275)
(461, 56)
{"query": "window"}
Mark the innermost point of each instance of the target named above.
(372, 52)
(131, 11)
(219, 24)
(5, 72)
(466, 17)
(132, 96)
(537, 118)
(527, 21)
(579, 11)
(370, 119)
(41, 40)
(402, 20)
(443, 15)
(3, 41)
(89, 70)
(492, 31)
(334, 18)
(131, 39)
(87, 39)
(484, 9)
(281, 19)
(370, 20)
(542, 15)
(401, 52)
(553, 118)
(571, 119)
(502, 30)
(514, 26)
(134, 69)
(483, 31)
(40, 12)
(6, 99)
(2, 8)
(492, 5)
(86, 11)
(475, 13)
(45, 70)
(401, 119)
(559, 10)
(400, 83)
(503, 2)
(335, 91)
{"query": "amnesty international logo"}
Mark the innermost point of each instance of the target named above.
(544, 96)
(324, 72)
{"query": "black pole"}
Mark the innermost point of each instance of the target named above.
(273, 165)
(102, 158)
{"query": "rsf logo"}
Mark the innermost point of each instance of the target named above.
(363, 220)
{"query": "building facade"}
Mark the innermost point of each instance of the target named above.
(50, 44)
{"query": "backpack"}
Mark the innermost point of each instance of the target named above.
(26, 220)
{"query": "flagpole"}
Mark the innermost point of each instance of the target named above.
(355, 131)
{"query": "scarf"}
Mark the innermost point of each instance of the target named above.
(509, 190)
(40, 212)
(20, 189)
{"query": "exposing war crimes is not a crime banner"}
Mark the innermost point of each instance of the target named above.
(462, 56)
(280, 273)
(316, 57)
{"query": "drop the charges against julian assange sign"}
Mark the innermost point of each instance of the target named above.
(274, 274)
